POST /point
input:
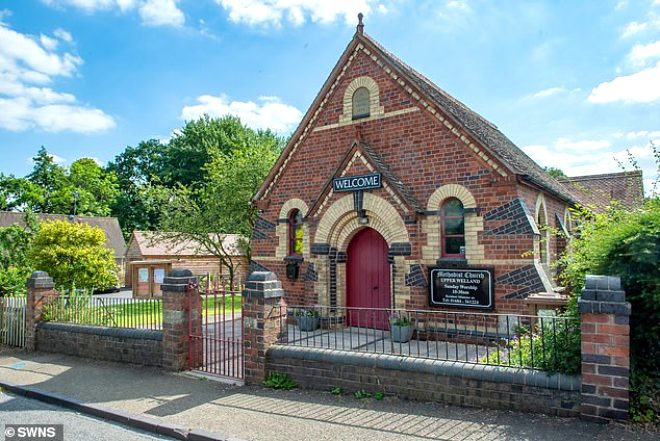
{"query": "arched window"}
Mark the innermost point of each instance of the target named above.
(295, 233)
(542, 223)
(453, 228)
(361, 103)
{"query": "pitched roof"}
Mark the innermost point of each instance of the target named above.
(599, 191)
(481, 129)
(379, 165)
(484, 132)
(114, 239)
(150, 244)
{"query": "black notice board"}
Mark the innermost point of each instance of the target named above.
(461, 287)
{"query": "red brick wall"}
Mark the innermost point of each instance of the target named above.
(419, 150)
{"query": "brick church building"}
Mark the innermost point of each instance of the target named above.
(393, 194)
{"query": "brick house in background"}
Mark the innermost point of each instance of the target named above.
(150, 258)
(390, 186)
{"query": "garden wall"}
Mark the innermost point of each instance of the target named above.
(430, 380)
(135, 346)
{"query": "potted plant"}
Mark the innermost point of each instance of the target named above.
(308, 319)
(401, 328)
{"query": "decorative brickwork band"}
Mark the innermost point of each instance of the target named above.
(182, 317)
(264, 321)
(604, 317)
(41, 292)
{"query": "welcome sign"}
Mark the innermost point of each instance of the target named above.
(355, 183)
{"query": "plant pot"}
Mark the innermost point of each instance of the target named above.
(401, 334)
(308, 323)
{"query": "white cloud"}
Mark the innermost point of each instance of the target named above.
(29, 63)
(643, 134)
(268, 113)
(152, 12)
(63, 35)
(639, 87)
(161, 13)
(297, 12)
(584, 145)
(57, 159)
(641, 54)
(551, 91)
(590, 157)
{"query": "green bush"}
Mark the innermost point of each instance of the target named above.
(552, 346)
(74, 255)
(627, 244)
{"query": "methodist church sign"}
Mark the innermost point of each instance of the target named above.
(355, 183)
(461, 287)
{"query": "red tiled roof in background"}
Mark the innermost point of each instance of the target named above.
(598, 192)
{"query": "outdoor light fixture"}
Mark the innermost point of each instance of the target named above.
(363, 220)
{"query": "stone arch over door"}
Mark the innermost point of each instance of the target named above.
(338, 225)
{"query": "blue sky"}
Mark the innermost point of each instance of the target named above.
(573, 83)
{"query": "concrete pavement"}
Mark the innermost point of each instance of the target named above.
(256, 413)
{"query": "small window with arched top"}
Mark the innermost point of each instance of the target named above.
(542, 224)
(295, 222)
(453, 228)
(361, 103)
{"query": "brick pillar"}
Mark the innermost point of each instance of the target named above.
(264, 321)
(604, 318)
(182, 316)
(41, 292)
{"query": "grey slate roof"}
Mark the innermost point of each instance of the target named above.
(481, 129)
(114, 239)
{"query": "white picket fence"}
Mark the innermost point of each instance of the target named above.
(12, 321)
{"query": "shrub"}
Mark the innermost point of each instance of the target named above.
(627, 244)
(74, 255)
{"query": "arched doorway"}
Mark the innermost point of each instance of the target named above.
(367, 280)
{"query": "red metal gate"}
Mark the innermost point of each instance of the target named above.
(216, 333)
(367, 280)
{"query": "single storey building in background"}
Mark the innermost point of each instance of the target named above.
(393, 194)
(150, 257)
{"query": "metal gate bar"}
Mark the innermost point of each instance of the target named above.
(216, 344)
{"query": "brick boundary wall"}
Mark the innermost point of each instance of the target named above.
(136, 346)
(463, 384)
(604, 322)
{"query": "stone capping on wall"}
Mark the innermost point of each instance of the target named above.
(142, 334)
(479, 372)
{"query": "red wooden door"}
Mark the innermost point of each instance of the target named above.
(367, 280)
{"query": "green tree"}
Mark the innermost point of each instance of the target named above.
(141, 193)
(19, 194)
(222, 205)
(555, 172)
(15, 264)
(74, 255)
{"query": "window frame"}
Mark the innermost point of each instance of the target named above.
(544, 241)
(444, 235)
(368, 112)
(292, 230)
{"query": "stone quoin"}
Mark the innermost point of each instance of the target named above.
(388, 168)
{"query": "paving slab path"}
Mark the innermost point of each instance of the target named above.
(256, 413)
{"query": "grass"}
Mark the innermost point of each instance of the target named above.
(122, 313)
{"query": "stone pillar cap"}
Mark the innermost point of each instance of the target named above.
(40, 279)
(609, 283)
(178, 280)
